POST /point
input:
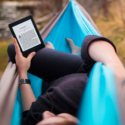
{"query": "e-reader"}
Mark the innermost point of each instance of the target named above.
(27, 35)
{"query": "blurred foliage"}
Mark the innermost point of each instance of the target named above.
(111, 25)
(15, 0)
(3, 54)
(116, 33)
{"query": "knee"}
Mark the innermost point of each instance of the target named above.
(11, 52)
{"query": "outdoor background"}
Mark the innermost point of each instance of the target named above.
(109, 16)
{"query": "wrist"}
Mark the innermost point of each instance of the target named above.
(24, 81)
(23, 75)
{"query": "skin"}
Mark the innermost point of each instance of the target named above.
(49, 118)
(105, 54)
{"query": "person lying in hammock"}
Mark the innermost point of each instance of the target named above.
(66, 75)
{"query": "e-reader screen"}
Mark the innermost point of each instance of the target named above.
(26, 35)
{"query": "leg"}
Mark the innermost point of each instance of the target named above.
(50, 64)
(49, 45)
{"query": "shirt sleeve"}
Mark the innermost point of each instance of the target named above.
(34, 115)
(88, 61)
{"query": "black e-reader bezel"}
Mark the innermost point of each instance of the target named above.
(35, 48)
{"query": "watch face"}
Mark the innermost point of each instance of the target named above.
(24, 81)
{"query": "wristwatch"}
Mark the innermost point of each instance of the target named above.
(24, 81)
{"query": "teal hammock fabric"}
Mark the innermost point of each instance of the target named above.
(72, 24)
(99, 104)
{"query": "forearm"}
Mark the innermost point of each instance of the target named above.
(27, 95)
(102, 51)
(23, 64)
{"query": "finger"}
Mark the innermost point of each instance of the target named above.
(15, 45)
(31, 55)
(18, 52)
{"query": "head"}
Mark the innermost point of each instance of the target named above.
(62, 119)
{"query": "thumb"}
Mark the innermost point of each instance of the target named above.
(31, 55)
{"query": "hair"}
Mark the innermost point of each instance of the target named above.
(63, 123)
(66, 123)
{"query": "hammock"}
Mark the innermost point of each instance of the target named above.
(72, 22)
(99, 105)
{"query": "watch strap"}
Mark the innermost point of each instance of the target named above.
(24, 81)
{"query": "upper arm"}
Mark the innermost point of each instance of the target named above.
(87, 59)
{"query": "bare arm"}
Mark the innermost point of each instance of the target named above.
(102, 51)
(27, 94)
(23, 64)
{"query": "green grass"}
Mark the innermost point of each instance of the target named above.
(3, 55)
